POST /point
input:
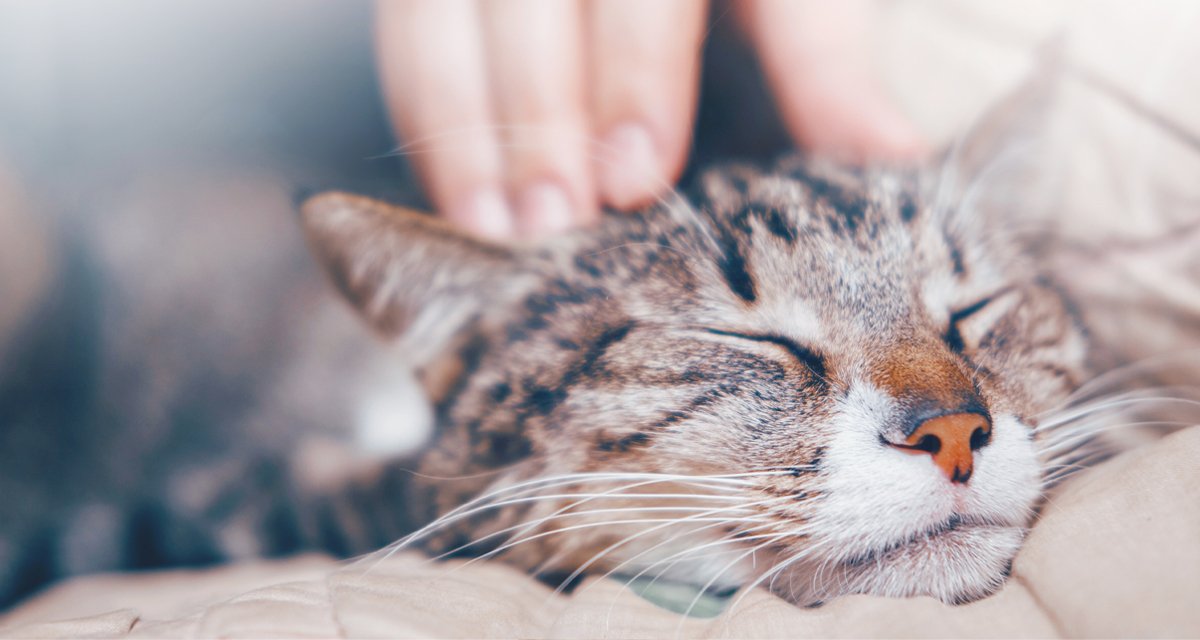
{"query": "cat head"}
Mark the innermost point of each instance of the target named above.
(820, 377)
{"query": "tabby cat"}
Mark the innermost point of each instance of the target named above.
(820, 378)
(823, 378)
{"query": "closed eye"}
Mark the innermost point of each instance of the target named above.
(807, 357)
(953, 336)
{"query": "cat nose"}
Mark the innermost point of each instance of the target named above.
(952, 441)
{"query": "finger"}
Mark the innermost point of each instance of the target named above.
(434, 82)
(536, 73)
(644, 61)
(816, 56)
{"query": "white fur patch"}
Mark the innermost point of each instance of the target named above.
(392, 415)
(973, 328)
(939, 293)
(878, 497)
(791, 318)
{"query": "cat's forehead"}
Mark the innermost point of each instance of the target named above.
(820, 202)
(799, 241)
(839, 235)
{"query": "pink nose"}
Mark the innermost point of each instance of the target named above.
(952, 441)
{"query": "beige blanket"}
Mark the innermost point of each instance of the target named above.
(1116, 553)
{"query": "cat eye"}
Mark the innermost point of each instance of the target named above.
(805, 356)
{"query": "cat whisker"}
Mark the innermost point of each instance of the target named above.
(596, 557)
(1129, 402)
(1122, 374)
(604, 523)
(728, 539)
(1058, 417)
(617, 492)
(1068, 470)
(777, 569)
(487, 501)
(735, 537)
(742, 556)
(1057, 471)
(678, 536)
(735, 479)
(1051, 456)
(577, 503)
(1051, 418)
(669, 540)
(715, 522)
(1069, 465)
(673, 559)
(570, 478)
(1096, 395)
(711, 581)
(560, 514)
(660, 522)
(1064, 441)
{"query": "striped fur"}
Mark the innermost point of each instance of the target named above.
(702, 390)
(729, 333)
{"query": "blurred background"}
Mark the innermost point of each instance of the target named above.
(153, 280)
(170, 358)
(97, 92)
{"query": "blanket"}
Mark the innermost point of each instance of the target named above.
(1115, 553)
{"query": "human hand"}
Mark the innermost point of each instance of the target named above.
(526, 115)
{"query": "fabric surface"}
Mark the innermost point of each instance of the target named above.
(1116, 553)
(1117, 549)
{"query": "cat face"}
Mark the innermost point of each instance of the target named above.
(817, 378)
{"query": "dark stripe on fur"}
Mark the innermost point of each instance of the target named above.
(849, 203)
(471, 356)
(624, 443)
(908, 208)
(1058, 372)
(733, 268)
(543, 400)
(778, 226)
(956, 256)
(601, 346)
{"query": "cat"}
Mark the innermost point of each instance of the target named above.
(823, 378)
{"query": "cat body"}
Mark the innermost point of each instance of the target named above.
(819, 378)
(763, 348)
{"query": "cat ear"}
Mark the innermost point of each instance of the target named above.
(413, 277)
(1006, 154)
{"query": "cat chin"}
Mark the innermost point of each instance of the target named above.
(956, 566)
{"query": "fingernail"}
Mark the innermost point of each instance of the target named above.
(628, 171)
(485, 213)
(543, 208)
